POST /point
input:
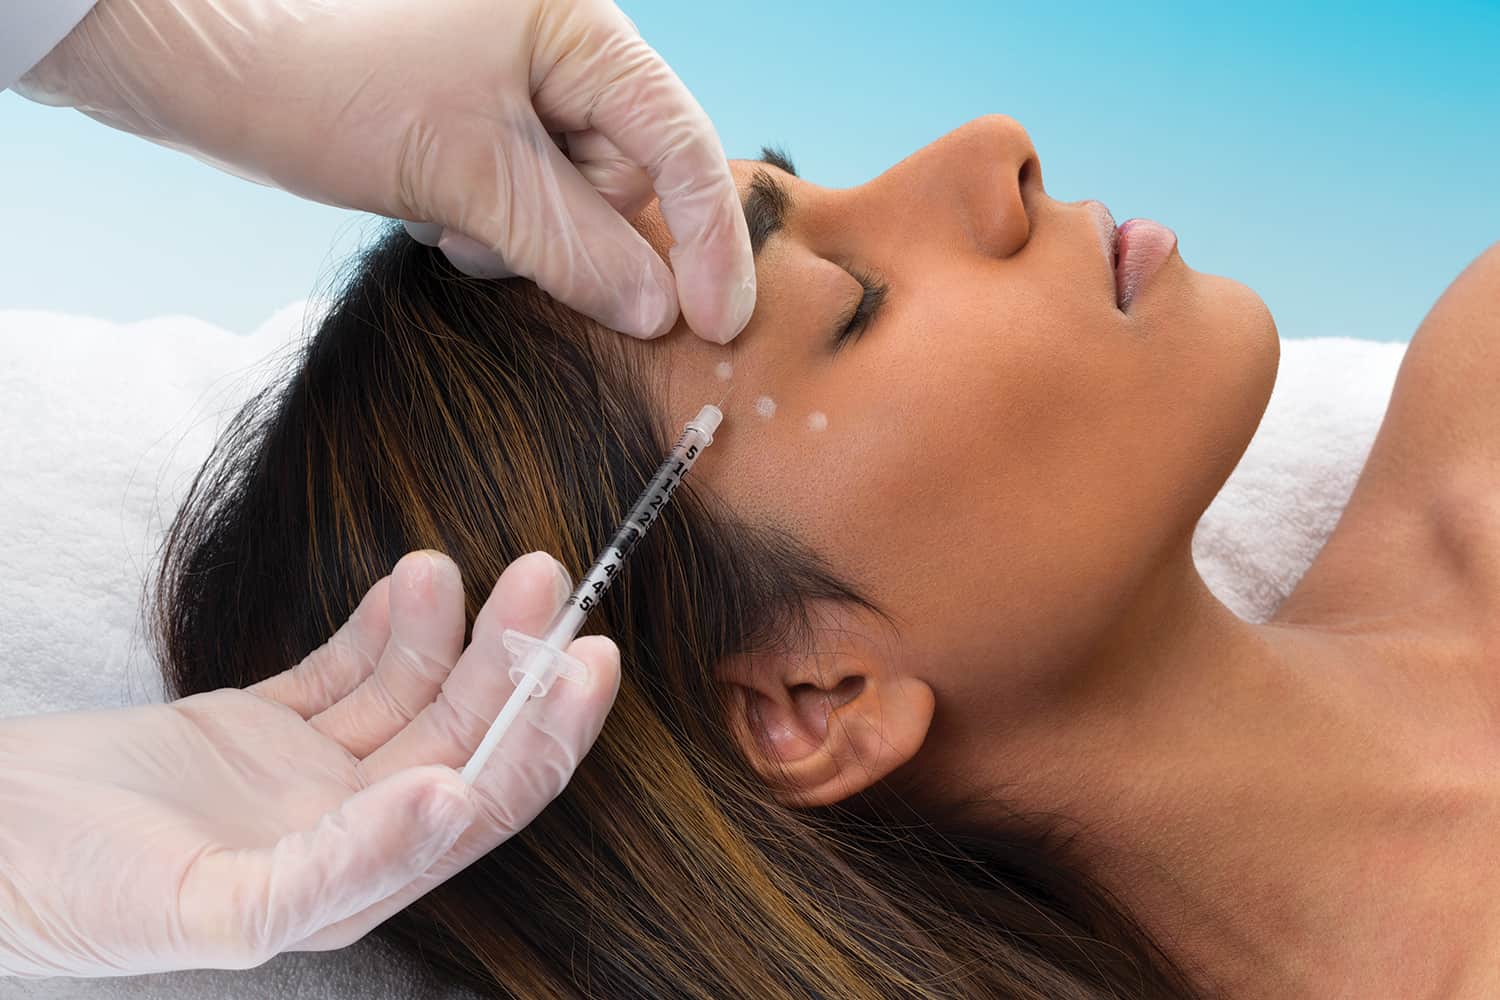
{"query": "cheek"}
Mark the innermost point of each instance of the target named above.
(990, 429)
(992, 379)
(970, 406)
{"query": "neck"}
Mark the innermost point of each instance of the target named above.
(1292, 810)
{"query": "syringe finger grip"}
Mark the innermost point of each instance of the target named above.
(534, 658)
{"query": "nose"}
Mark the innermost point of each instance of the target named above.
(977, 179)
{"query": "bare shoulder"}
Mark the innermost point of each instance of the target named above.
(1420, 536)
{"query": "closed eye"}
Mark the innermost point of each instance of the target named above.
(864, 310)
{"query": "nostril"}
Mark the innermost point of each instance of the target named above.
(1029, 188)
(1031, 171)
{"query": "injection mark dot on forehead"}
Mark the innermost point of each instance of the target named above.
(817, 420)
(766, 407)
(724, 371)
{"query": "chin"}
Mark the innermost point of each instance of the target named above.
(1258, 339)
(1238, 361)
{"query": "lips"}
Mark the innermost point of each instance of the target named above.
(1141, 247)
(1135, 250)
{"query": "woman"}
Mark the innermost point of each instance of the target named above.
(923, 696)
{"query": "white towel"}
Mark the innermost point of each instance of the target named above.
(105, 424)
(1281, 503)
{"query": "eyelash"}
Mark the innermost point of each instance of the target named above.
(865, 309)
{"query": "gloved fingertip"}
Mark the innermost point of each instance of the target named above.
(447, 803)
(574, 710)
(472, 257)
(480, 268)
(564, 581)
(717, 290)
(531, 566)
(601, 655)
(656, 311)
(741, 307)
(426, 233)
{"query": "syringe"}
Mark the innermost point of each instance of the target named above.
(542, 660)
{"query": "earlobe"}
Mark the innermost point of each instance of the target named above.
(821, 728)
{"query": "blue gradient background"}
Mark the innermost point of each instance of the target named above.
(1344, 162)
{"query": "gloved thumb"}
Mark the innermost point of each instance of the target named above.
(266, 900)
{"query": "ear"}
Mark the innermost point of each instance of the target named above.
(823, 725)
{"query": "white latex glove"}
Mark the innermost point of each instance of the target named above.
(443, 112)
(295, 815)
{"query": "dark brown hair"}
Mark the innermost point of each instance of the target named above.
(479, 418)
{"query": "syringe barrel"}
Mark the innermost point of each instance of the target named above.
(696, 436)
(539, 661)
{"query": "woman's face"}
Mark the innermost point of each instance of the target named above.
(1001, 456)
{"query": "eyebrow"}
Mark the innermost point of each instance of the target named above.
(767, 203)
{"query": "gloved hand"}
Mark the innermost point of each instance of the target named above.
(221, 829)
(443, 112)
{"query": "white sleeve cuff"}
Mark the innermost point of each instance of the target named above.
(29, 29)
